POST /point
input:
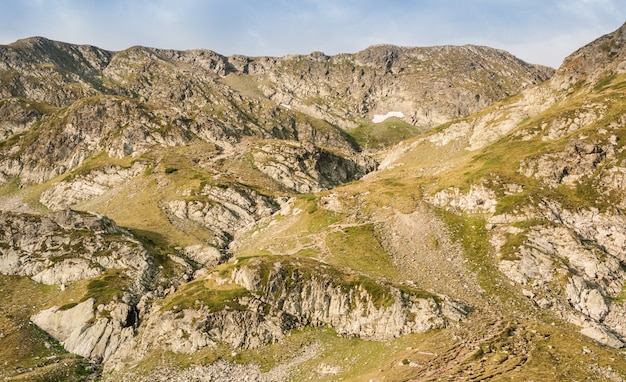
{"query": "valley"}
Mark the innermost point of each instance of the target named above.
(182, 215)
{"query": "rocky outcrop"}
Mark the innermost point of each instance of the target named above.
(566, 261)
(83, 331)
(68, 137)
(69, 246)
(478, 199)
(306, 170)
(282, 295)
(204, 254)
(574, 164)
(16, 116)
(190, 330)
(69, 192)
(63, 324)
(352, 305)
(225, 211)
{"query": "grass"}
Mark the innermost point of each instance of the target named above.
(512, 245)
(107, 287)
(359, 248)
(375, 360)
(27, 352)
(316, 219)
(243, 84)
(395, 192)
(376, 136)
(10, 188)
(202, 293)
(170, 170)
(471, 233)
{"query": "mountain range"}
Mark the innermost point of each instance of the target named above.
(433, 213)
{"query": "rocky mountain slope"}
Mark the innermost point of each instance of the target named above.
(176, 215)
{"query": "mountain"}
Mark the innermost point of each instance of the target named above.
(399, 213)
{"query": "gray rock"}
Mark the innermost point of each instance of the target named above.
(63, 324)
(602, 335)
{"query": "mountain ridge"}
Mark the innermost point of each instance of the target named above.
(263, 225)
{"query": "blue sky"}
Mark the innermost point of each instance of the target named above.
(537, 31)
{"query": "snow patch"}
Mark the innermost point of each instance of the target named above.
(381, 117)
(285, 106)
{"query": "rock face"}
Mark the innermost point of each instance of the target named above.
(61, 324)
(556, 222)
(271, 298)
(95, 183)
(306, 171)
(69, 246)
(389, 79)
(224, 211)
(478, 199)
(353, 306)
(578, 259)
(73, 328)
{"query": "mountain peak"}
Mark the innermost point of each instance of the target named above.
(31, 41)
(603, 56)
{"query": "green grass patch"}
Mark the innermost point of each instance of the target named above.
(394, 192)
(199, 293)
(10, 187)
(170, 170)
(604, 82)
(359, 248)
(385, 134)
(107, 287)
(308, 252)
(471, 233)
(355, 359)
(99, 161)
(317, 219)
(512, 245)
(380, 294)
(512, 203)
(68, 306)
(244, 84)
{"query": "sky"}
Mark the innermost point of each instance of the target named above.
(536, 31)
